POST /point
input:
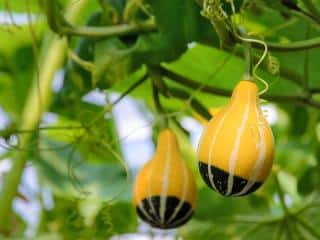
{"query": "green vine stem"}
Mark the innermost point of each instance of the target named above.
(156, 82)
(247, 55)
(307, 226)
(53, 56)
(302, 100)
(116, 30)
(181, 94)
(194, 103)
(312, 9)
(163, 119)
(293, 46)
(108, 107)
(212, 10)
(60, 25)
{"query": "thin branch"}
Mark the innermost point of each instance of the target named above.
(306, 64)
(194, 103)
(164, 122)
(61, 26)
(293, 46)
(109, 107)
(308, 227)
(302, 100)
(312, 9)
(282, 197)
(115, 30)
(130, 89)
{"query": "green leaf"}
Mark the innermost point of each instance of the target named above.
(181, 23)
(70, 175)
(112, 62)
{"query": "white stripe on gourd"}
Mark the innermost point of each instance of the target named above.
(184, 192)
(150, 195)
(261, 156)
(165, 179)
(235, 152)
(145, 213)
(214, 139)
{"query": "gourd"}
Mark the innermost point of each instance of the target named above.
(164, 193)
(236, 148)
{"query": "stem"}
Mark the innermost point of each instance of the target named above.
(302, 100)
(181, 94)
(109, 107)
(194, 103)
(308, 227)
(115, 30)
(221, 25)
(247, 54)
(86, 65)
(282, 197)
(164, 123)
(157, 86)
(52, 60)
(292, 47)
(130, 89)
(312, 9)
(306, 65)
(248, 59)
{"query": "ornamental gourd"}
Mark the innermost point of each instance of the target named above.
(164, 192)
(236, 148)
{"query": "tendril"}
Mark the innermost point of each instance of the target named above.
(212, 9)
(261, 59)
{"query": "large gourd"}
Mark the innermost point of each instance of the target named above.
(236, 148)
(164, 192)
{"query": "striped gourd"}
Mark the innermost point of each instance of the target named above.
(236, 148)
(164, 192)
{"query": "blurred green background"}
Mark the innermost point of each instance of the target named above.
(67, 162)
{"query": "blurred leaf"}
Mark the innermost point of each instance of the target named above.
(70, 175)
(181, 23)
(309, 181)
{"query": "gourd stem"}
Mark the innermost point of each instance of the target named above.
(156, 99)
(248, 60)
(157, 83)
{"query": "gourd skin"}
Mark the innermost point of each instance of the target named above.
(164, 191)
(236, 149)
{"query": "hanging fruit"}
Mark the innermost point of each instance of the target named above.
(164, 192)
(236, 148)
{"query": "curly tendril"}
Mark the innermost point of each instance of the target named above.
(212, 9)
(256, 66)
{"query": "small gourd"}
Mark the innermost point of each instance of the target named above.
(164, 193)
(236, 149)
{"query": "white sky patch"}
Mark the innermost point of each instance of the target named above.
(131, 123)
(47, 198)
(270, 113)
(138, 153)
(58, 80)
(48, 118)
(4, 119)
(5, 166)
(19, 18)
(96, 97)
(192, 45)
(195, 129)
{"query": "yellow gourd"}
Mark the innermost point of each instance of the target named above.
(164, 193)
(236, 149)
